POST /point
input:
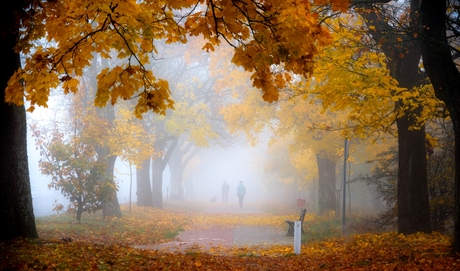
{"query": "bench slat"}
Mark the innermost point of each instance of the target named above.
(290, 223)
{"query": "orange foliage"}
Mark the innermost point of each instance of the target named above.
(61, 38)
(107, 249)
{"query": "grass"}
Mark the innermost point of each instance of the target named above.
(316, 227)
(148, 225)
(171, 234)
(66, 224)
(322, 229)
(140, 226)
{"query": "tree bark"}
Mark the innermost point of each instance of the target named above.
(79, 209)
(327, 197)
(404, 57)
(144, 196)
(413, 203)
(16, 210)
(445, 78)
(158, 166)
(112, 206)
(175, 164)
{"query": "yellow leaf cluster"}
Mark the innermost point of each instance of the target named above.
(337, 5)
(355, 80)
(264, 38)
(129, 140)
(61, 38)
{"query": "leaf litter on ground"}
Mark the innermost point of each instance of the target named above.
(109, 244)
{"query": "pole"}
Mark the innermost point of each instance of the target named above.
(297, 236)
(345, 157)
(130, 184)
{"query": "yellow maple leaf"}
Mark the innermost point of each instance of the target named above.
(208, 46)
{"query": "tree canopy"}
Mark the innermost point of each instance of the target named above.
(60, 39)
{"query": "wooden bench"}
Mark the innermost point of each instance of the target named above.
(290, 223)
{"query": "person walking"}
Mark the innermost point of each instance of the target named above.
(240, 192)
(225, 188)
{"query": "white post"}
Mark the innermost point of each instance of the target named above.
(297, 235)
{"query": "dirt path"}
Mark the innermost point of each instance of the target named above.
(238, 236)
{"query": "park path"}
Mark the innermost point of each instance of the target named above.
(237, 236)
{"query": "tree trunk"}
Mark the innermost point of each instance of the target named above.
(144, 196)
(189, 188)
(175, 164)
(413, 202)
(16, 210)
(158, 166)
(178, 162)
(326, 171)
(445, 78)
(112, 207)
(79, 209)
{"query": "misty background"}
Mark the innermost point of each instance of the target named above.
(260, 170)
(216, 165)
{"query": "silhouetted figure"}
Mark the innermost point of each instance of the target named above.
(240, 192)
(225, 188)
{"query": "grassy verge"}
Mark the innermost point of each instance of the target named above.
(140, 226)
(325, 228)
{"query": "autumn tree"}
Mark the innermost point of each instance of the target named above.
(130, 142)
(439, 42)
(195, 122)
(70, 157)
(190, 123)
(347, 93)
(345, 76)
(105, 154)
(440, 164)
(75, 31)
(393, 28)
(33, 20)
(16, 198)
(437, 31)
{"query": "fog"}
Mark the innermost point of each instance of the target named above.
(207, 172)
(43, 198)
(232, 165)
